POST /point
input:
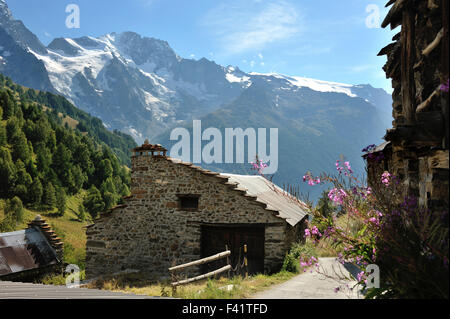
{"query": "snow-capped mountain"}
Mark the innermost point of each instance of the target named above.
(140, 86)
(16, 60)
(137, 84)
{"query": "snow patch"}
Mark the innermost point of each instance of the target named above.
(313, 84)
(234, 79)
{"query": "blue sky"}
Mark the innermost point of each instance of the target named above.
(323, 39)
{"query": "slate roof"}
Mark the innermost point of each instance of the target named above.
(25, 250)
(289, 208)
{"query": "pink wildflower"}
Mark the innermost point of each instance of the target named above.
(386, 178)
(337, 196)
(360, 276)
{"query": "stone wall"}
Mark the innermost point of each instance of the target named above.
(151, 234)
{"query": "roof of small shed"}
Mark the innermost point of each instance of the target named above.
(25, 250)
(290, 208)
(378, 148)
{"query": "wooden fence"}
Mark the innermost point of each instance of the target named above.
(202, 261)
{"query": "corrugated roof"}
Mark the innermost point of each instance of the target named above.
(290, 208)
(24, 250)
(20, 290)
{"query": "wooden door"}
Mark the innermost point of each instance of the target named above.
(215, 238)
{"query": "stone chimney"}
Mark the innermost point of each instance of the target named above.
(147, 164)
(148, 149)
(49, 234)
(145, 154)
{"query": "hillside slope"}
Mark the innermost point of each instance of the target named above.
(43, 159)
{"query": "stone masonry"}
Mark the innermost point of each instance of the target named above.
(150, 233)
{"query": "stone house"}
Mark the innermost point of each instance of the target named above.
(178, 212)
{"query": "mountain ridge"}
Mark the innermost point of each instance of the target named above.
(140, 86)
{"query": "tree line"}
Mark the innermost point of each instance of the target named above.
(42, 161)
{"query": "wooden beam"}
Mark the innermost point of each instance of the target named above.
(433, 43)
(445, 70)
(202, 261)
(439, 160)
(432, 5)
(407, 64)
(425, 104)
(393, 17)
(387, 49)
(416, 136)
(210, 274)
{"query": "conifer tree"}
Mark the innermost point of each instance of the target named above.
(36, 192)
(20, 149)
(14, 207)
(81, 213)
(8, 174)
(94, 202)
(105, 170)
(61, 201)
(49, 199)
(324, 205)
(2, 134)
(7, 104)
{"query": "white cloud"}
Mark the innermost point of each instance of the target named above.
(262, 63)
(192, 56)
(260, 56)
(48, 35)
(241, 26)
(252, 63)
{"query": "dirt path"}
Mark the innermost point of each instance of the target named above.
(314, 285)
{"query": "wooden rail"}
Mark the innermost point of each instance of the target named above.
(202, 261)
(210, 274)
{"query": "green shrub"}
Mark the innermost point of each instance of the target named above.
(291, 263)
(74, 256)
(58, 279)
